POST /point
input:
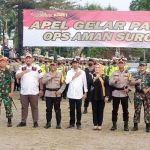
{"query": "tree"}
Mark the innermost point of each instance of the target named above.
(140, 5)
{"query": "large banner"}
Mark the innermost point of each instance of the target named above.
(83, 28)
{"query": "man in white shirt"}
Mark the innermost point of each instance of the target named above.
(76, 79)
(31, 79)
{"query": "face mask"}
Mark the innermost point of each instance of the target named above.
(40, 61)
(90, 64)
(59, 63)
(114, 62)
(66, 62)
(104, 63)
(23, 61)
(63, 63)
(50, 61)
(84, 63)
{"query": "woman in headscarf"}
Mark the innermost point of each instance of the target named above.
(99, 95)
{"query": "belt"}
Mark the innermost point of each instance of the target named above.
(56, 89)
(139, 91)
(119, 89)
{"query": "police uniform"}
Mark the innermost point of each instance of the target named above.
(53, 85)
(141, 98)
(119, 94)
(6, 78)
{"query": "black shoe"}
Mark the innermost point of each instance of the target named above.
(48, 125)
(70, 126)
(147, 127)
(114, 127)
(43, 98)
(126, 126)
(35, 125)
(9, 124)
(135, 128)
(85, 110)
(21, 124)
(58, 126)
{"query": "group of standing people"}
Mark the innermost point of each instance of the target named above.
(92, 85)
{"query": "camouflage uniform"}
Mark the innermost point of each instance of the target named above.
(141, 98)
(6, 77)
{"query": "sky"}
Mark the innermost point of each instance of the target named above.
(119, 4)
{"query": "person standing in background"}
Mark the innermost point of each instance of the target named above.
(88, 71)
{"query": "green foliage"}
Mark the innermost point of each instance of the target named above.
(140, 5)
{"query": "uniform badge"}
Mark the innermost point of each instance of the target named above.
(34, 68)
(40, 71)
(24, 68)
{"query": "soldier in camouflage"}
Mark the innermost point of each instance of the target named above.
(6, 88)
(142, 96)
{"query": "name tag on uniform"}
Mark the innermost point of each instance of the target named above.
(24, 68)
(57, 79)
(34, 68)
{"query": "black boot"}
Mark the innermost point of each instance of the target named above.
(126, 126)
(114, 127)
(48, 125)
(58, 126)
(35, 124)
(85, 110)
(9, 124)
(135, 128)
(147, 127)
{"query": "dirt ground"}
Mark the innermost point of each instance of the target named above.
(28, 138)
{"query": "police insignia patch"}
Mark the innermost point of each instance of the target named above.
(40, 71)
(34, 68)
(24, 68)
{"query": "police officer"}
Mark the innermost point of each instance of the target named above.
(55, 85)
(6, 88)
(142, 96)
(120, 81)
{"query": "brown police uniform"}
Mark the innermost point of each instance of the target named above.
(53, 85)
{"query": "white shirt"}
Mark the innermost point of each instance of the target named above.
(30, 81)
(76, 86)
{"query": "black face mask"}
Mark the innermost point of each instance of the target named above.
(40, 61)
(59, 63)
(114, 63)
(23, 62)
(90, 64)
(84, 63)
(63, 63)
(104, 63)
(66, 62)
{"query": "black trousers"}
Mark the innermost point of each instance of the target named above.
(75, 104)
(124, 103)
(50, 101)
(86, 102)
(98, 109)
